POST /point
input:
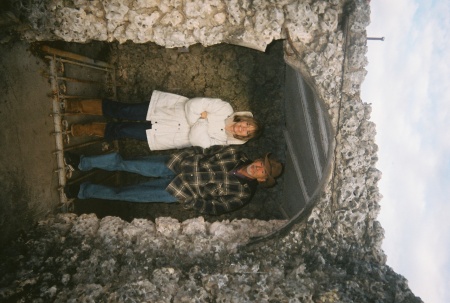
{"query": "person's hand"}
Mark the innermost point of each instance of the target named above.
(203, 115)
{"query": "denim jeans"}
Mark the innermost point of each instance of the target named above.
(124, 130)
(126, 111)
(150, 191)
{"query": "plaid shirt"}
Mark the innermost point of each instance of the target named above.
(204, 183)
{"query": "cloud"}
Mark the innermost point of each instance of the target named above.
(408, 85)
(392, 17)
(430, 254)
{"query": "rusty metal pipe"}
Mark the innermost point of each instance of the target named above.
(79, 80)
(58, 131)
(76, 57)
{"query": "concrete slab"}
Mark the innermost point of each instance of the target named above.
(27, 182)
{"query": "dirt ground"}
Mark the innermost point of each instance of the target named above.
(246, 78)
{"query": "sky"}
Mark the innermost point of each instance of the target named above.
(408, 86)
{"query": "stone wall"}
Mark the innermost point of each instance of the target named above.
(335, 256)
(177, 23)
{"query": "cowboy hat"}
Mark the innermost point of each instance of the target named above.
(273, 170)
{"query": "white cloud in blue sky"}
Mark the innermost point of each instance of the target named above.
(408, 85)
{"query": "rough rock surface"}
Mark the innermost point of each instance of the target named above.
(335, 256)
(176, 23)
(73, 258)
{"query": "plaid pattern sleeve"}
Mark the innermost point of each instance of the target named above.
(188, 156)
(203, 182)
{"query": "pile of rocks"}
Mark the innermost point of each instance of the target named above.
(70, 258)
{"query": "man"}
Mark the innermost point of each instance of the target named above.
(213, 181)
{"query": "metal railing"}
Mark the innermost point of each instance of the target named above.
(96, 74)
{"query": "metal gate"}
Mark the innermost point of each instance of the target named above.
(75, 77)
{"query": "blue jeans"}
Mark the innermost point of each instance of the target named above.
(150, 191)
(124, 130)
(126, 111)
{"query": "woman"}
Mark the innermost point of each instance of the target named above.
(171, 121)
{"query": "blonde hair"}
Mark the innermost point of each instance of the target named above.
(251, 121)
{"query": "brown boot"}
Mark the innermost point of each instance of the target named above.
(87, 107)
(96, 129)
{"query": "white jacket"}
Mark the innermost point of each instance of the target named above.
(176, 122)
